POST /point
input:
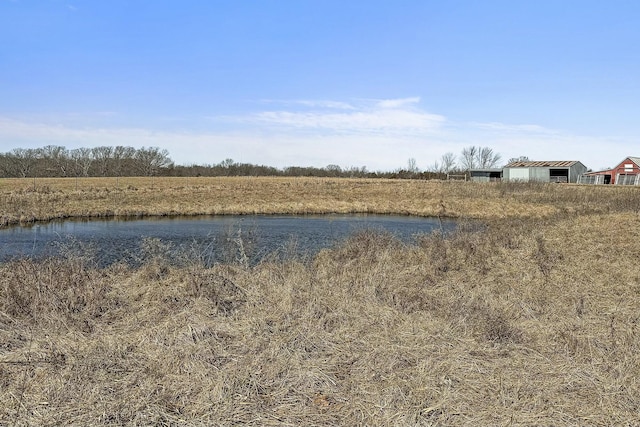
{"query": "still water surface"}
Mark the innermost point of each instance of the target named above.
(213, 238)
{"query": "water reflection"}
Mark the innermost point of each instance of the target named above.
(213, 238)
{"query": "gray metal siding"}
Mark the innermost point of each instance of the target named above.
(575, 171)
(542, 174)
(539, 174)
(480, 179)
(516, 174)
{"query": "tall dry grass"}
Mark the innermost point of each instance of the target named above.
(532, 320)
(21, 201)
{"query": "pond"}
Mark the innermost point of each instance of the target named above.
(211, 238)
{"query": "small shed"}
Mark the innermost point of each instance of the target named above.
(544, 171)
(485, 175)
(626, 173)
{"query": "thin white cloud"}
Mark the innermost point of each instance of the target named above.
(370, 117)
(398, 103)
(510, 128)
(361, 122)
(311, 103)
(334, 105)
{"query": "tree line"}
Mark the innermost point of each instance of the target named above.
(105, 161)
(57, 161)
(472, 157)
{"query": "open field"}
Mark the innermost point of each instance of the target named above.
(531, 321)
(27, 200)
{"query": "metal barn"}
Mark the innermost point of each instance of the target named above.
(544, 171)
(485, 175)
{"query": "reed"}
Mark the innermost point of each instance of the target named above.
(532, 320)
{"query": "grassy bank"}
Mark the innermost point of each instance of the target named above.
(531, 321)
(23, 201)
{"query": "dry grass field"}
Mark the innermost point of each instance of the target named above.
(28, 200)
(531, 321)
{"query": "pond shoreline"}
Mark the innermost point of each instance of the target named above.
(63, 198)
(139, 216)
(112, 239)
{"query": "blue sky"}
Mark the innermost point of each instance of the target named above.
(317, 82)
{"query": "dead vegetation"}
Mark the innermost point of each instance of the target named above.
(530, 321)
(26, 200)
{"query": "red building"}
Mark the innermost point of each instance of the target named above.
(626, 173)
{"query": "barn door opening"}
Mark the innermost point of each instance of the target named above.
(559, 175)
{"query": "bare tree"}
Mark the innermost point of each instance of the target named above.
(487, 159)
(468, 158)
(447, 162)
(102, 157)
(473, 157)
(412, 165)
(435, 167)
(122, 156)
(518, 159)
(357, 172)
(23, 161)
(227, 163)
(333, 170)
(151, 160)
(82, 159)
(55, 158)
(5, 165)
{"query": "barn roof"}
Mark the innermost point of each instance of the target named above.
(543, 164)
(635, 160)
(603, 172)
